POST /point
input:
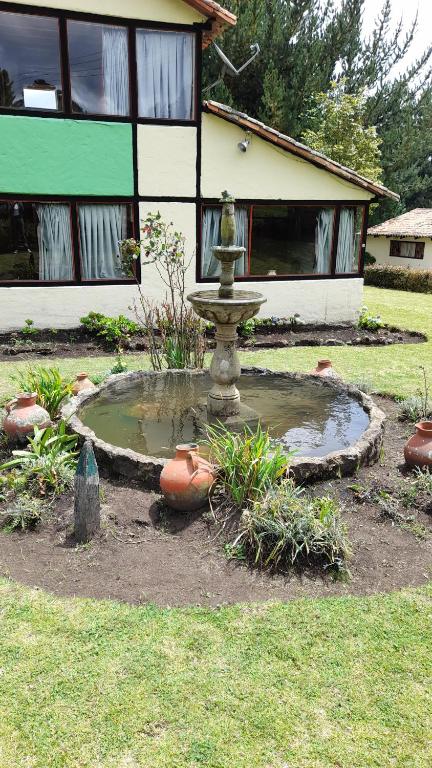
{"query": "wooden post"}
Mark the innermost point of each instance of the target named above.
(87, 501)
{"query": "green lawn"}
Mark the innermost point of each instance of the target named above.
(340, 683)
(394, 369)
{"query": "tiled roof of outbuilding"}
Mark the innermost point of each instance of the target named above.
(415, 223)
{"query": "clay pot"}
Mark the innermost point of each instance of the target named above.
(418, 450)
(82, 383)
(186, 480)
(324, 368)
(23, 415)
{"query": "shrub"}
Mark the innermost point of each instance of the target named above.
(369, 322)
(28, 328)
(23, 514)
(399, 278)
(114, 330)
(51, 388)
(248, 464)
(47, 465)
(412, 409)
(286, 526)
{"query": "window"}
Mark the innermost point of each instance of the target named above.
(166, 68)
(35, 241)
(101, 227)
(405, 249)
(38, 244)
(30, 72)
(350, 238)
(99, 68)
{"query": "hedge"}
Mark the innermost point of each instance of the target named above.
(399, 278)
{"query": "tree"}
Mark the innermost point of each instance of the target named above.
(342, 133)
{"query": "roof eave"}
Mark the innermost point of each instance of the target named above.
(300, 150)
(219, 18)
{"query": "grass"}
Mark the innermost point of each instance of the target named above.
(340, 683)
(329, 683)
(392, 370)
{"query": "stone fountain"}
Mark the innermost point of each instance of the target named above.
(226, 308)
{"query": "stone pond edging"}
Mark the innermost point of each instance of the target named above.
(130, 465)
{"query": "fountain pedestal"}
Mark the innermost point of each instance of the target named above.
(226, 308)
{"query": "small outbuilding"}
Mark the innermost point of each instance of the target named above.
(405, 241)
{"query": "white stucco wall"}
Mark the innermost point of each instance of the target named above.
(329, 301)
(264, 171)
(174, 11)
(167, 158)
(380, 248)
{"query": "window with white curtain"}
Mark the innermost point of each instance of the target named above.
(211, 236)
(35, 242)
(101, 227)
(166, 74)
(349, 242)
(99, 68)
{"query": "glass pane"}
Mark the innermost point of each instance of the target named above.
(211, 236)
(101, 227)
(30, 73)
(291, 240)
(166, 74)
(99, 68)
(349, 242)
(35, 241)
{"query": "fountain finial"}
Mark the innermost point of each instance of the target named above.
(228, 222)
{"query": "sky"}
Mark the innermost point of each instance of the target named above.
(407, 9)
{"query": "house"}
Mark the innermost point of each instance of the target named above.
(405, 241)
(101, 122)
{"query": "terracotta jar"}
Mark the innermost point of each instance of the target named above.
(22, 415)
(324, 368)
(82, 383)
(418, 450)
(186, 480)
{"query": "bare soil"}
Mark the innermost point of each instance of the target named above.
(79, 343)
(146, 553)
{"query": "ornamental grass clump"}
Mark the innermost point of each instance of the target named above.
(248, 464)
(287, 527)
(48, 383)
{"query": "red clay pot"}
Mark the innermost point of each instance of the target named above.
(324, 368)
(82, 383)
(418, 450)
(23, 415)
(186, 480)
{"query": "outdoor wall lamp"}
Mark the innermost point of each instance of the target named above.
(244, 145)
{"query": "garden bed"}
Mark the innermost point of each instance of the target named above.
(147, 554)
(78, 342)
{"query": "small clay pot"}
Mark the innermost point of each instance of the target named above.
(325, 369)
(82, 383)
(23, 415)
(186, 480)
(418, 450)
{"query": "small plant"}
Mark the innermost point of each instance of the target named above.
(119, 365)
(248, 464)
(246, 329)
(114, 330)
(25, 513)
(417, 407)
(364, 383)
(47, 465)
(369, 322)
(294, 321)
(28, 329)
(51, 388)
(286, 526)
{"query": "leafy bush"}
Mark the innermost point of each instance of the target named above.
(369, 322)
(412, 409)
(28, 328)
(399, 278)
(23, 514)
(114, 330)
(51, 388)
(286, 526)
(47, 465)
(248, 464)
(119, 366)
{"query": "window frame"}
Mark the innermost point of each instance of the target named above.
(132, 25)
(73, 204)
(332, 275)
(419, 247)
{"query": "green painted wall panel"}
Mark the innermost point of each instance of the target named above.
(65, 157)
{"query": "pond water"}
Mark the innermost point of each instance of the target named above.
(154, 414)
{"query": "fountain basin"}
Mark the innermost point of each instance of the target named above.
(134, 416)
(242, 306)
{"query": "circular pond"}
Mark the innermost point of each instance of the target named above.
(136, 420)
